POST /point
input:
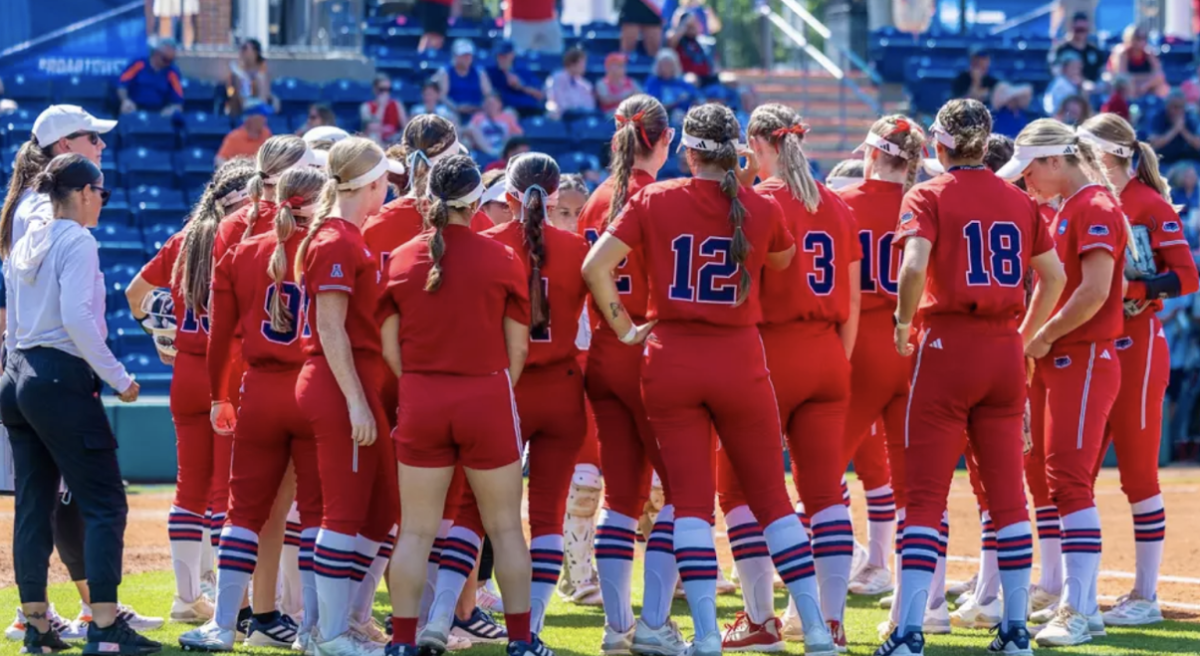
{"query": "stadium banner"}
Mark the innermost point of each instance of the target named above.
(102, 49)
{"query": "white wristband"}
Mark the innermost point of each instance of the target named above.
(631, 335)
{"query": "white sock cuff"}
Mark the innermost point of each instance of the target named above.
(1152, 504)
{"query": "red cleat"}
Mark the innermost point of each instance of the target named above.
(745, 635)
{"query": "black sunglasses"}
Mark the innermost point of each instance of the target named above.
(92, 137)
(105, 194)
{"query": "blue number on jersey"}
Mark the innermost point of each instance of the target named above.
(876, 267)
(820, 279)
(190, 325)
(1004, 242)
(624, 283)
(706, 289)
(293, 297)
(543, 334)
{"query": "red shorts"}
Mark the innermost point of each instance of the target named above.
(447, 420)
(695, 377)
(359, 489)
(628, 451)
(1135, 425)
(1082, 381)
(969, 375)
(553, 423)
(879, 381)
(203, 457)
(271, 430)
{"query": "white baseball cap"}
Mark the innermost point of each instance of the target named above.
(325, 133)
(59, 121)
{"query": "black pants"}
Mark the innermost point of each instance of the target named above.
(68, 536)
(50, 403)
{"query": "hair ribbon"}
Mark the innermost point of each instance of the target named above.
(636, 119)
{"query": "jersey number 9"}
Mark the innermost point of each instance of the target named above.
(293, 299)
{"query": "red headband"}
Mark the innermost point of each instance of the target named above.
(902, 125)
(798, 129)
(636, 119)
(294, 202)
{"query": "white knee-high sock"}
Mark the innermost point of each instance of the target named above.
(833, 551)
(208, 548)
(696, 555)
(918, 562)
(333, 562)
(937, 589)
(614, 565)
(546, 552)
(1081, 557)
(805, 520)
(793, 557)
(460, 552)
(432, 566)
(1049, 529)
(988, 584)
(308, 578)
(237, 555)
(897, 562)
(363, 599)
(752, 559)
(881, 524)
(1014, 558)
(661, 571)
(1149, 530)
(291, 597)
(187, 532)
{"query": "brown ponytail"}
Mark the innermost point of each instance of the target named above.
(192, 273)
(275, 156)
(451, 178)
(641, 123)
(425, 136)
(1114, 129)
(348, 159)
(535, 176)
(296, 189)
(31, 159)
(782, 128)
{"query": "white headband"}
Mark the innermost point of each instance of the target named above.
(943, 137)
(309, 158)
(378, 171)
(883, 145)
(696, 143)
(465, 200)
(1030, 153)
(455, 148)
(234, 197)
(1105, 145)
(494, 193)
(525, 196)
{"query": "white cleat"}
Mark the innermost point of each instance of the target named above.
(370, 631)
(870, 581)
(196, 612)
(458, 643)
(793, 627)
(347, 645)
(1040, 599)
(886, 601)
(937, 618)
(435, 636)
(709, 645)
(616, 643)
(306, 642)
(487, 598)
(663, 641)
(1043, 616)
(960, 588)
(859, 559)
(1133, 610)
(1096, 625)
(978, 615)
(819, 642)
(724, 586)
(885, 629)
(208, 584)
(210, 637)
(1068, 628)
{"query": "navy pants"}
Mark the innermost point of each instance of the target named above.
(50, 403)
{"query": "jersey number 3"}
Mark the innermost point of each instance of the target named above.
(1003, 241)
(699, 283)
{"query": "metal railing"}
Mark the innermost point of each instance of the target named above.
(134, 5)
(1023, 19)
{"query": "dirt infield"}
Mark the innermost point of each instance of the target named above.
(146, 537)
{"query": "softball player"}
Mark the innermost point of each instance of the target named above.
(967, 238)
(704, 240)
(275, 156)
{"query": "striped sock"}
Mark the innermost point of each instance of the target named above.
(1049, 531)
(805, 521)
(459, 553)
(793, 557)
(216, 525)
(937, 589)
(988, 584)
(308, 578)
(432, 566)
(918, 562)
(546, 552)
(845, 491)
(362, 601)
(661, 571)
(186, 531)
(208, 548)
(1149, 530)
(897, 561)
(333, 563)
(1081, 557)
(696, 555)
(237, 555)
(292, 597)
(881, 522)
(752, 559)
(833, 551)
(1014, 558)
(614, 565)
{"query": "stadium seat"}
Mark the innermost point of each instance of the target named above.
(578, 162)
(91, 93)
(148, 130)
(196, 166)
(204, 130)
(19, 125)
(35, 90)
(295, 95)
(279, 124)
(346, 95)
(148, 167)
(116, 280)
(112, 175)
(119, 244)
(125, 335)
(154, 205)
(199, 96)
(541, 129)
(153, 376)
(156, 235)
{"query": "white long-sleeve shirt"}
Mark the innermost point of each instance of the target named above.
(58, 293)
(31, 207)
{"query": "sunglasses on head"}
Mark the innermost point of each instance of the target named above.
(92, 137)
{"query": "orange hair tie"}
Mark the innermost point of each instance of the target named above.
(798, 129)
(636, 119)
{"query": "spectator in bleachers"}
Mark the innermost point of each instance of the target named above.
(185, 10)
(1068, 82)
(152, 83)
(568, 91)
(249, 81)
(1073, 8)
(710, 22)
(1185, 187)
(463, 85)
(507, 82)
(247, 139)
(1094, 59)
(667, 84)
(491, 127)
(1173, 132)
(1118, 101)
(431, 103)
(1190, 87)
(1141, 64)
(319, 115)
(1010, 108)
(977, 81)
(532, 26)
(615, 86)
(694, 58)
(383, 118)
(434, 17)
(1073, 110)
(513, 147)
(641, 20)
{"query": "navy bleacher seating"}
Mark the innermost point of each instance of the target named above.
(154, 205)
(125, 336)
(205, 130)
(148, 130)
(119, 244)
(295, 95)
(578, 162)
(19, 125)
(153, 376)
(91, 93)
(28, 89)
(157, 235)
(199, 96)
(196, 166)
(148, 167)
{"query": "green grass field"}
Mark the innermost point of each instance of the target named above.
(575, 631)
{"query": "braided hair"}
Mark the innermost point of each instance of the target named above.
(641, 124)
(453, 177)
(534, 176)
(297, 188)
(192, 273)
(781, 128)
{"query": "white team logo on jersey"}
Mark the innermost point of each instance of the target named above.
(937, 344)
(337, 272)
(1104, 355)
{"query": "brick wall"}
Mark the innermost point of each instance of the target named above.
(214, 25)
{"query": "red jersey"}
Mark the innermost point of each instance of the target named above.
(1147, 208)
(191, 331)
(876, 205)
(816, 285)
(230, 232)
(683, 232)
(1047, 212)
(337, 260)
(562, 284)
(984, 232)
(458, 329)
(1091, 219)
(398, 222)
(631, 272)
